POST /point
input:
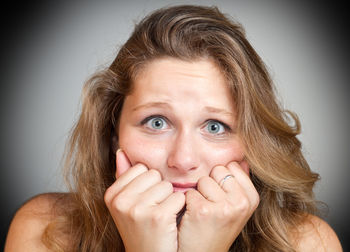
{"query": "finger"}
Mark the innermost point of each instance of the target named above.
(224, 178)
(194, 199)
(210, 189)
(244, 181)
(236, 194)
(157, 193)
(245, 166)
(142, 183)
(122, 163)
(124, 180)
(174, 203)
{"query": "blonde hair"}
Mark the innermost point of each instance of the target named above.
(278, 169)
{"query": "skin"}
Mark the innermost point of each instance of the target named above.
(177, 133)
(143, 201)
(186, 94)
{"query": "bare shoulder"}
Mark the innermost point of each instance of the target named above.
(316, 235)
(30, 222)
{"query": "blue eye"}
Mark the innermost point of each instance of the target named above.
(156, 123)
(215, 127)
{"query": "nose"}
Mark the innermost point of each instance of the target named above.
(183, 155)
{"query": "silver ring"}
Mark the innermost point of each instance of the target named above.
(224, 179)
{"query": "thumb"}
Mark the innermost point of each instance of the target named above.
(122, 163)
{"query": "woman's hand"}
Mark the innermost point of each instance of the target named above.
(217, 211)
(143, 207)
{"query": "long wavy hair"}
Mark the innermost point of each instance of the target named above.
(278, 169)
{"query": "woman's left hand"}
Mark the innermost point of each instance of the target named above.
(217, 211)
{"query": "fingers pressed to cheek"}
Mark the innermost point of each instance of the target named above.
(124, 180)
(219, 174)
(238, 172)
(143, 182)
(244, 181)
(210, 189)
(131, 174)
(157, 193)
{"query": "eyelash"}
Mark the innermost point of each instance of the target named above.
(226, 127)
(147, 119)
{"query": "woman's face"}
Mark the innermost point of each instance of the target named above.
(180, 120)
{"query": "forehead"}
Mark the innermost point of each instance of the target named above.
(200, 68)
(173, 79)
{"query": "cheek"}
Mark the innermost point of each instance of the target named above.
(154, 153)
(144, 151)
(223, 155)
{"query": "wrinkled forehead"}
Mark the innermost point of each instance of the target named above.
(196, 67)
(176, 81)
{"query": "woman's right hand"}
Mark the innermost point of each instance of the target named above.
(144, 207)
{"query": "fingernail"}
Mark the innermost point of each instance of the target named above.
(116, 154)
(118, 151)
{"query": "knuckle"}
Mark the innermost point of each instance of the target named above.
(256, 200)
(158, 217)
(136, 212)
(243, 206)
(110, 193)
(120, 203)
(203, 211)
(227, 211)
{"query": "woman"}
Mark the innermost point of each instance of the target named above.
(180, 146)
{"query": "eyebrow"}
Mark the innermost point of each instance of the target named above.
(167, 106)
(152, 104)
(217, 110)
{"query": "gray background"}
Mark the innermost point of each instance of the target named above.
(49, 49)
